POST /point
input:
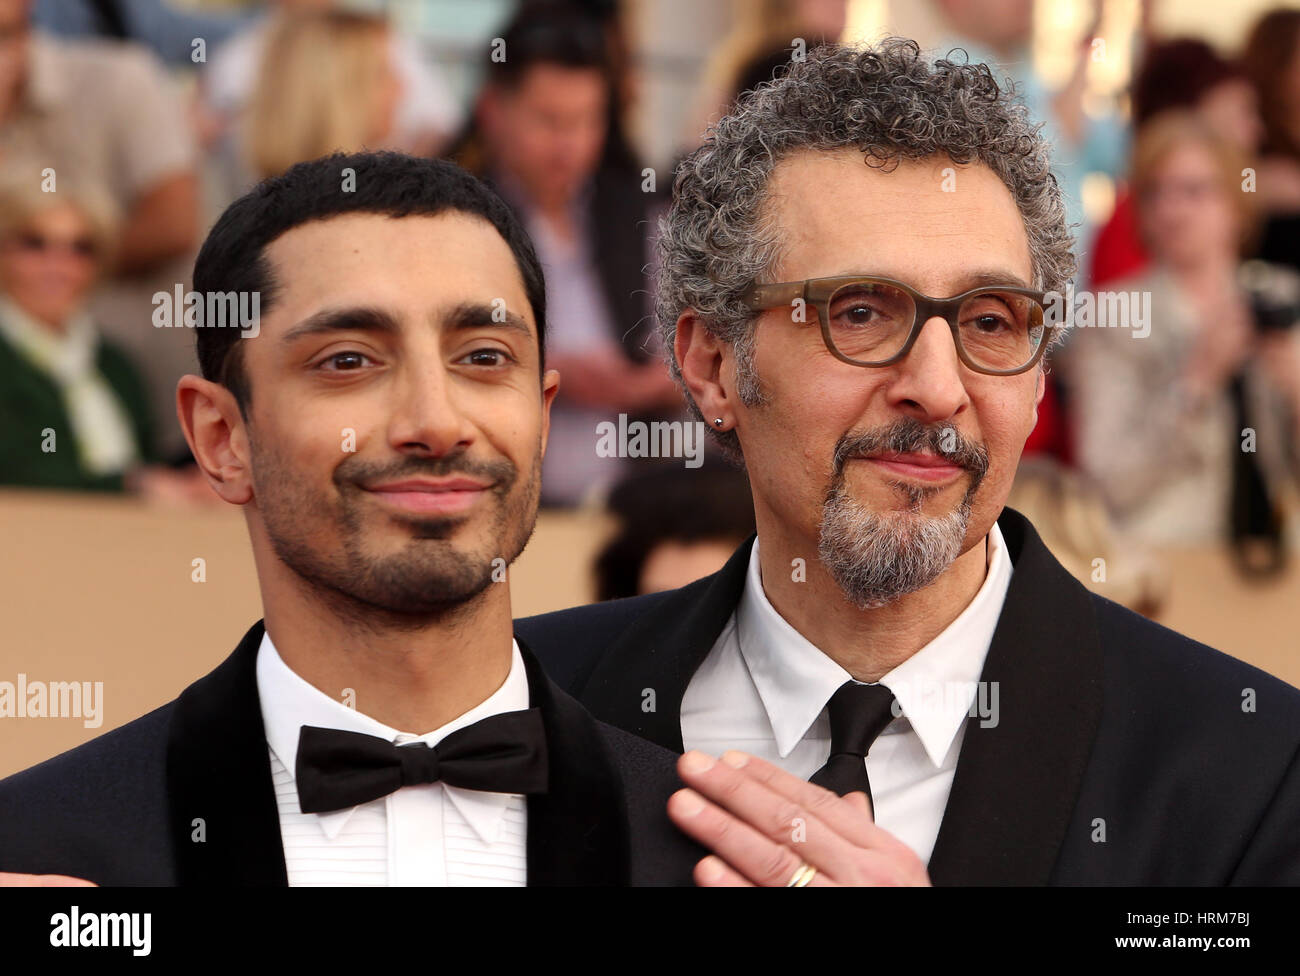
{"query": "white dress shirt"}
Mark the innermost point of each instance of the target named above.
(763, 689)
(420, 835)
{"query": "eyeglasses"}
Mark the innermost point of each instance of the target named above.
(869, 321)
(82, 247)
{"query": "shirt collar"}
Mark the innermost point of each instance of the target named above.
(935, 687)
(289, 702)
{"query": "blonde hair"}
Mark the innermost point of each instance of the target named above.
(320, 78)
(1168, 131)
(22, 199)
(758, 26)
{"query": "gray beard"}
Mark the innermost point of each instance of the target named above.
(877, 559)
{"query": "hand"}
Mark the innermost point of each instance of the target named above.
(43, 881)
(763, 824)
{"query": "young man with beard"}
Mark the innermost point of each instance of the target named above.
(853, 287)
(384, 433)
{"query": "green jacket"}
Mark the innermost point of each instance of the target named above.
(30, 402)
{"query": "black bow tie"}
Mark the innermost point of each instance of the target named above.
(503, 753)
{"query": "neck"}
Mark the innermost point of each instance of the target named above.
(414, 673)
(866, 643)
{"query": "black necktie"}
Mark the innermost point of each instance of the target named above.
(503, 753)
(858, 714)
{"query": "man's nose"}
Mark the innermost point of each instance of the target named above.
(929, 384)
(427, 416)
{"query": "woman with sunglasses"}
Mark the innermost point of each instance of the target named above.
(73, 409)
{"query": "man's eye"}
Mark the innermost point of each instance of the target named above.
(343, 361)
(486, 357)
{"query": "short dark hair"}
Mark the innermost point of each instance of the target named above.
(669, 503)
(1177, 74)
(233, 257)
(560, 33)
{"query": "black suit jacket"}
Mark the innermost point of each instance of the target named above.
(1123, 753)
(124, 809)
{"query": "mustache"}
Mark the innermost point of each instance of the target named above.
(501, 472)
(906, 435)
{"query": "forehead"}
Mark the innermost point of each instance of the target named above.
(408, 265)
(927, 222)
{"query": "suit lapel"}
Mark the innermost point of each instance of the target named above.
(225, 824)
(1017, 782)
(577, 830)
(639, 683)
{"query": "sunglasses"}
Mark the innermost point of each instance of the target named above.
(33, 243)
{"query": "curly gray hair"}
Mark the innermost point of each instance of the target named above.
(887, 100)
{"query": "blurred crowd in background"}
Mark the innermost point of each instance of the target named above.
(151, 116)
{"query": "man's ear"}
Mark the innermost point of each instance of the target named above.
(550, 386)
(218, 437)
(702, 359)
(1038, 394)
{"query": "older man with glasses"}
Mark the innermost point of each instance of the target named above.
(893, 633)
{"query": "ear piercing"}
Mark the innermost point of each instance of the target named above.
(717, 421)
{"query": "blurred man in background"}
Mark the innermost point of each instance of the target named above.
(540, 136)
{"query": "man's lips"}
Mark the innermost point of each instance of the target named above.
(441, 495)
(914, 464)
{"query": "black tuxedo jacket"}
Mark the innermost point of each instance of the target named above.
(1125, 753)
(124, 809)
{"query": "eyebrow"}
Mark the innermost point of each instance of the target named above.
(352, 319)
(363, 318)
(477, 315)
(971, 279)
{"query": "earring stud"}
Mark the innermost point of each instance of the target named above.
(717, 421)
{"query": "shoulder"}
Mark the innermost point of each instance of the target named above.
(115, 61)
(570, 642)
(660, 853)
(97, 811)
(1167, 684)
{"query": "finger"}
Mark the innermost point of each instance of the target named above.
(853, 819)
(797, 800)
(714, 872)
(860, 801)
(763, 859)
(10, 880)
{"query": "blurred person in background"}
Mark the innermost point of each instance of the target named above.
(425, 115)
(539, 139)
(1181, 73)
(166, 27)
(999, 33)
(106, 113)
(73, 409)
(675, 525)
(761, 39)
(1272, 57)
(327, 83)
(1160, 418)
(101, 111)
